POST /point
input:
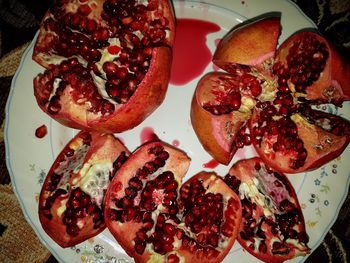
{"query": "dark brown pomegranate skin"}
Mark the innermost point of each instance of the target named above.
(107, 62)
(71, 198)
(272, 228)
(154, 218)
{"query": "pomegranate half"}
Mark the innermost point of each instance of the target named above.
(107, 62)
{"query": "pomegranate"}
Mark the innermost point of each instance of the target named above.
(107, 62)
(272, 93)
(155, 218)
(71, 199)
(272, 228)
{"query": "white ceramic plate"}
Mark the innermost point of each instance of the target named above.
(321, 193)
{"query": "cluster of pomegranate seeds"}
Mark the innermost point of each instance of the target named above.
(79, 204)
(328, 122)
(281, 130)
(113, 43)
(306, 60)
(203, 213)
(270, 231)
(229, 90)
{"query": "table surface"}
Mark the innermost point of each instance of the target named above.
(19, 21)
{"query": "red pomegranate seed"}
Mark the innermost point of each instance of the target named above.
(85, 9)
(41, 131)
(113, 50)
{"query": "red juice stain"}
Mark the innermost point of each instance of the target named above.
(190, 52)
(175, 143)
(147, 135)
(211, 164)
(41, 131)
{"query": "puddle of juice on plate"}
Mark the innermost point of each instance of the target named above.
(211, 164)
(175, 143)
(147, 134)
(190, 52)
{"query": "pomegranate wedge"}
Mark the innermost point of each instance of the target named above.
(272, 228)
(71, 199)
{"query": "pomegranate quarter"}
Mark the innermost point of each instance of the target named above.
(156, 218)
(107, 62)
(71, 199)
(272, 228)
(266, 95)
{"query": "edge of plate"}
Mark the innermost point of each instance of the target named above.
(7, 151)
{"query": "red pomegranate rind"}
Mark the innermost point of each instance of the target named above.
(310, 65)
(154, 219)
(250, 43)
(273, 228)
(108, 62)
(71, 199)
(148, 162)
(302, 142)
(219, 119)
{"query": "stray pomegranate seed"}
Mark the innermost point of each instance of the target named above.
(41, 131)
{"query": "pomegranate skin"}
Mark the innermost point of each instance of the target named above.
(150, 91)
(332, 86)
(250, 43)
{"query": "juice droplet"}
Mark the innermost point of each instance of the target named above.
(211, 164)
(41, 131)
(176, 143)
(190, 52)
(147, 135)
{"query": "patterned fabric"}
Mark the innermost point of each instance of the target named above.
(20, 19)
